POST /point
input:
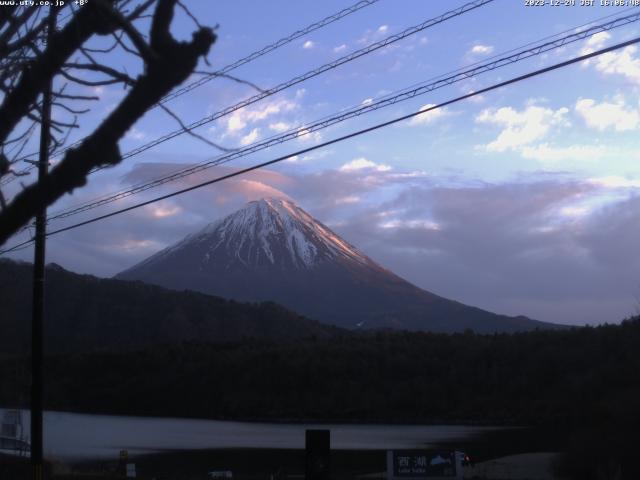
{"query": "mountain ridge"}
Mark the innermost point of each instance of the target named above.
(86, 313)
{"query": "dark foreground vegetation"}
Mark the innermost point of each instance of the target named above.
(581, 385)
(85, 313)
(560, 378)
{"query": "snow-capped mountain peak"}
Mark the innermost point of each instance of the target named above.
(270, 231)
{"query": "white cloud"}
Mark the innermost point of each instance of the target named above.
(598, 40)
(250, 137)
(521, 127)
(595, 42)
(340, 48)
(162, 211)
(362, 163)
(604, 115)
(238, 120)
(613, 181)
(383, 28)
(235, 122)
(411, 224)
(136, 134)
(427, 117)
(308, 44)
(481, 50)
(349, 199)
(622, 62)
(575, 211)
(548, 153)
(279, 127)
(367, 101)
(305, 135)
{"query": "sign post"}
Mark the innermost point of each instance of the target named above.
(423, 465)
(318, 454)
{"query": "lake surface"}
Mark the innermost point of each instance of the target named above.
(73, 435)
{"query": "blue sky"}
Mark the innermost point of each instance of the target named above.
(522, 201)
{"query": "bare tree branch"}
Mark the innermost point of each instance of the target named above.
(16, 105)
(117, 76)
(190, 131)
(171, 63)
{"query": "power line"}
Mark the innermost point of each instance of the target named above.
(340, 139)
(359, 110)
(269, 48)
(311, 74)
(308, 75)
(232, 66)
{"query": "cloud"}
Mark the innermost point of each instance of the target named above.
(241, 118)
(621, 62)
(250, 137)
(521, 128)
(383, 28)
(135, 134)
(363, 164)
(604, 115)
(613, 181)
(548, 153)
(279, 127)
(308, 44)
(481, 49)
(305, 135)
(539, 247)
(340, 48)
(427, 117)
(349, 199)
(162, 210)
(597, 40)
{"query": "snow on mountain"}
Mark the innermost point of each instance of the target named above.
(267, 231)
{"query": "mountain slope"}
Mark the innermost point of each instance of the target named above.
(85, 313)
(273, 250)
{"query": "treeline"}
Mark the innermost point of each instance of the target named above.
(86, 313)
(561, 378)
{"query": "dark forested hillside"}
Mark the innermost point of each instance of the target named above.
(85, 313)
(567, 377)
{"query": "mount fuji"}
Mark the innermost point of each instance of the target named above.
(273, 250)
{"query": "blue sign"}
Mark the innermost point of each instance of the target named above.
(427, 464)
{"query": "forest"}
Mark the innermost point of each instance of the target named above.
(580, 387)
(569, 377)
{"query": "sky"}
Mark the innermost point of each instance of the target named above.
(522, 201)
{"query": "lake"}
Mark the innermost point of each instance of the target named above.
(76, 436)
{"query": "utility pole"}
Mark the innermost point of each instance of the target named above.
(37, 379)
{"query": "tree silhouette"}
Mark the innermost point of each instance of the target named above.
(28, 63)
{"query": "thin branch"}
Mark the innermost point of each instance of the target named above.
(75, 97)
(89, 83)
(96, 67)
(189, 131)
(233, 78)
(134, 35)
(69, 109)
(188, 12)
